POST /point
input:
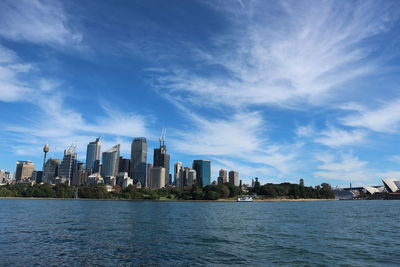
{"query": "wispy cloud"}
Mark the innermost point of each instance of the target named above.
(301, 56)
(383, 119)
(349, 168)
(36, 21)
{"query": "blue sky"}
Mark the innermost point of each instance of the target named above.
(281, 90)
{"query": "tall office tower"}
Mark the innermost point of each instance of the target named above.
(50, 171)
(191, 177)
(68, 164)
(234, 178)
(161, 158)
(157, 177)
(178, 174)
(148, 174)
(185, 176)
(110, 162)
(223, 176)
(24, 170)
(124, 165)
(93, 155)
(139, 160)
(203, 171)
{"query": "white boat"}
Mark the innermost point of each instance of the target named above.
(245, 199)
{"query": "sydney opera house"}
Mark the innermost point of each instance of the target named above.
(389, 190)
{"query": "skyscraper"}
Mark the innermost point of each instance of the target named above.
(157, 177)
(124, 165)
(110, 162)
(24, 170)
(203, 171)
(51, 170)
(178, 174)
(139, 160)
(93, 155)
(223, 176)
(68, 164)
(161, 158)
(234, 178)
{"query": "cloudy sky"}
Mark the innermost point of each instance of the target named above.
(281, 90)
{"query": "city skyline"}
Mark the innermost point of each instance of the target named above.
(270, 89)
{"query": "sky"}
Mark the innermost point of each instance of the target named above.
(279, 90)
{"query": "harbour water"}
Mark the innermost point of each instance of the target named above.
(45, 232)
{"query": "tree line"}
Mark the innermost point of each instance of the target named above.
(209, 192)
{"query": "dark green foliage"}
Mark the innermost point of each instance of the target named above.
(210, 192)
(288, 190)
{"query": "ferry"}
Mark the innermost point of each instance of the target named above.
(245, 199)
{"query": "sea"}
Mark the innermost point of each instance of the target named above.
(59, 232)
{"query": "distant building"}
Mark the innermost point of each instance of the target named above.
(148, 174)
(203, 171)
(178, 174)
(124, 165)
(92, 155)
(139, 160)
(189, 177)
(80, 177)
(24, 170)
(95, 179)
(110, 162)
(51, 170)
(37, 176)
(120, 178)
(234, 178)
(68, 164)
(162, 159)
(223, 176)
(157, 177)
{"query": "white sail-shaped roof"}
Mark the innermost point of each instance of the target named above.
(390, 185)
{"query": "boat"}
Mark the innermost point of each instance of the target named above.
(245, 199)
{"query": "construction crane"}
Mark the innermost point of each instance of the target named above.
(162, 136)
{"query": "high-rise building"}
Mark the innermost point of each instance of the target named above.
(234, 178)
(139, 160)
(93, 155)
(162, 159)
(124, 165)
(24, 170)
(223, 176)
(50, 171)
(178, 174)
(203, 171)
(191, 177)
(157, 177)
(110, 162)
(68, 164)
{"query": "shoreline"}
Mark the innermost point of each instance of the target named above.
(181, 200)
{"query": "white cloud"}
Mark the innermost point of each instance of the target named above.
(349, 168)
(36, 21)
(300, 57)
(384, 119)
(334, 137)
(345, 167)
(236, 141)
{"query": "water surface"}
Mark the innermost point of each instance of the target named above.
(144, 233)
